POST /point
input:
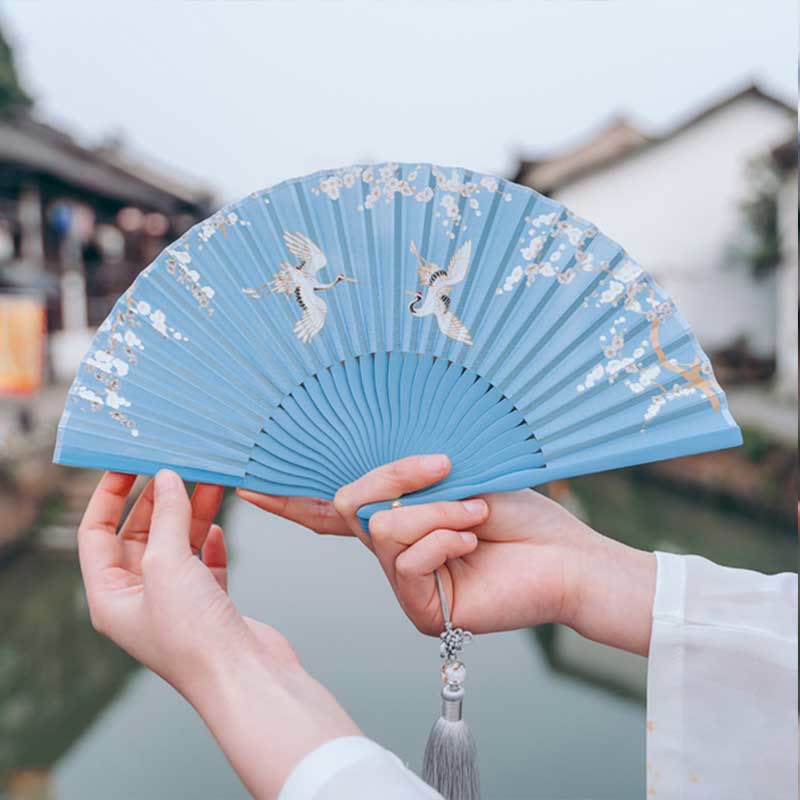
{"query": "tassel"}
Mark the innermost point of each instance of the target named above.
(450, 764)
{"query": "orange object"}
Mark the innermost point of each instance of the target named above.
(22, 338)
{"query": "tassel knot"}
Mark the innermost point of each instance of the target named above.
(453, 640)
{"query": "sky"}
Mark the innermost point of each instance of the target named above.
(239, 95)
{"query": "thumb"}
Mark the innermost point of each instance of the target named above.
(170, 524)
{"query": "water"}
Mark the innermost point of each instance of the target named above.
(555, 716)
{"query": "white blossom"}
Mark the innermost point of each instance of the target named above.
(613, 291)
(115, 400)
(159, 321)
(573, 234)
(87, 394)
(544, 219)
(593, 377)
(108, 363)
(533, 249)
(132, 340)
(627, 271)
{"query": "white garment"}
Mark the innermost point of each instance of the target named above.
(352, 768)
(722, 718)
(722, 683)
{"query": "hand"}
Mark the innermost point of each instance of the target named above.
(506, 560)
(149, 592)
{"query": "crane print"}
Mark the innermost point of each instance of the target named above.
(436, 300)
(301, 281)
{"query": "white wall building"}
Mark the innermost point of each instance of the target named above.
(674, 201)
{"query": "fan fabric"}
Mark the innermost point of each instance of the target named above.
(310, 332)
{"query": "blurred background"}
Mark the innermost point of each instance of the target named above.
(672, 125)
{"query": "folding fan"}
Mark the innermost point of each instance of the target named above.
(310, 332)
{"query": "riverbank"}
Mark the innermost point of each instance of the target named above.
(30, 484)
(30, 489)
(758, 479)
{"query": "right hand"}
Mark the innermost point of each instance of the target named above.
(507, 560)
(150, 592)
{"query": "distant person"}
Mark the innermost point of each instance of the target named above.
(722, 643)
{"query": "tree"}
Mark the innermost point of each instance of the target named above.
(12, 96)
(762, 251)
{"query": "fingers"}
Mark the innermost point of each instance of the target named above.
(416, 587)
(206, 500)
(215, 556)
(312, 512)
(431, 552)
(388, 482)
(107, 502)
(168, 540)
(393, 530)
(137, 525)
(406, 524)
(98, 546)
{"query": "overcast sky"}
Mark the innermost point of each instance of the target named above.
(243, 94)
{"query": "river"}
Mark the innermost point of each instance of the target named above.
(555, 716)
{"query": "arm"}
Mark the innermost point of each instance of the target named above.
(149, 592)
(722, 643)
(722, 682)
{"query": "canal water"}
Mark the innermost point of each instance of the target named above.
(555, 716)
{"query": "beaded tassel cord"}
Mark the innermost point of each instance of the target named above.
(450, 764)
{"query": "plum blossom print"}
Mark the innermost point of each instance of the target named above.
(112, 363)
(178, 264)
(555, 247)
(383, 183)
(644, 366)
(552, 248)
(219, 223)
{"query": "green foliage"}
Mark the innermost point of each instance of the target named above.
(756, 444)
(12, 96)
(762, 253)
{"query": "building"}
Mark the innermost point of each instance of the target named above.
(675, 201)
(77, 224)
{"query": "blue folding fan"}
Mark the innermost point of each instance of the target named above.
(310, 332)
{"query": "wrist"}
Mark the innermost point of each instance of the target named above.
(266, 711)
(612, 588)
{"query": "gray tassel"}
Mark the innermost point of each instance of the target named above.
(450, 764)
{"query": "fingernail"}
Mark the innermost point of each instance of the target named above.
(433, 464)
(469, 538)
(475, 506)
(166, 481)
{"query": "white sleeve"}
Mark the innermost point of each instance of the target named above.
(352, 768)
(722, 715)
